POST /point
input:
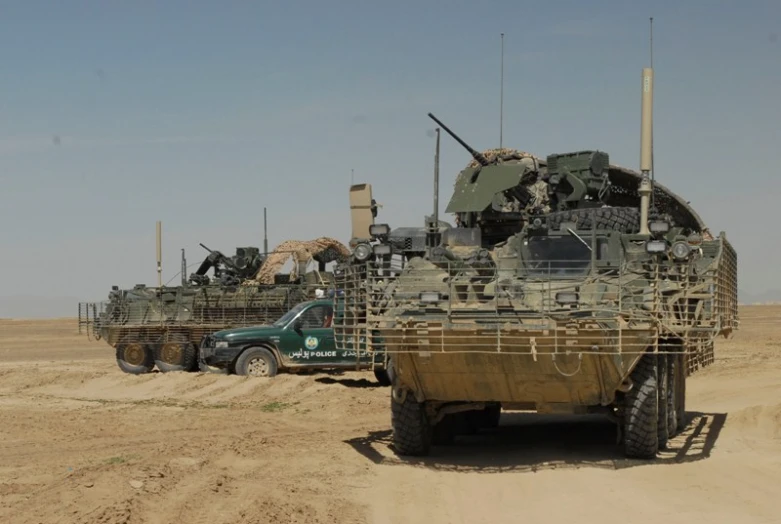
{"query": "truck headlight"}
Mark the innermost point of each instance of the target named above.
(655, 246)
(379, 230)
(681, 250)
(382, 249)
(362, 252)
(566, 297)
(430, 297)
(659, 226)
(221, 344)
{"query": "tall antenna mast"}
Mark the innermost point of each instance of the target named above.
(159, 234)
(651, 52)
(352, 176)
(646, 146)
(265, 234)
(501, 95)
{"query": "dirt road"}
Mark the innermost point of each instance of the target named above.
(84, 443)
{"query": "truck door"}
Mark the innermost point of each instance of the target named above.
(314, 336)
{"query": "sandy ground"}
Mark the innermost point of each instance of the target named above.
(84, 443)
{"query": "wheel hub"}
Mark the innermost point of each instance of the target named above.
(257, 367)
(135, 354)
(171, 353)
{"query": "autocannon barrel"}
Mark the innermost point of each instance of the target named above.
(477, 155)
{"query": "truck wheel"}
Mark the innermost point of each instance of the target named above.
(384, 376)
(134, 357)
(662, 376)
(412, 433)
(175, 353)
(680, 393)
(256, 362)
(672, 395)
(641, 439)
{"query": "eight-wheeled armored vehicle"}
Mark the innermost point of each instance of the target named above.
(163, 326)
(567, 285)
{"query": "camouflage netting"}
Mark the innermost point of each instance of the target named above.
(507, 154)
(624, 190)
(323, 249)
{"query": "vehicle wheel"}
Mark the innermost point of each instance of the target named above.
(384, 376)
(662, 389)
(134, 357)
(412, 433)
(680, 394)
(672, 395)
(256, 362)
(641, 412)
(175, 353)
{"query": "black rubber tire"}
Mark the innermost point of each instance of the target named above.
(680, 410)
(188, 360)
(662, 376)
(672, 395)
(412, 434)
(385, 376)
(641, 412)
(130, 344)
(251, 355)
(622, 219)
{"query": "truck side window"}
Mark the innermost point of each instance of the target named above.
(316, 317)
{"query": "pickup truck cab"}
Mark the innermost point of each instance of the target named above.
(302, 339)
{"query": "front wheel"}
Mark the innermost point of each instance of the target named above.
(256, 362)
(641, 439)
(412, 433)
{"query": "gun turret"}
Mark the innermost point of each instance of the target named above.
(477, 155)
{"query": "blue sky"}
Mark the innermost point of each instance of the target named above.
(116, 114)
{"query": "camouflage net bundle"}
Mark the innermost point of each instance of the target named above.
(323, 249)
(505, 153)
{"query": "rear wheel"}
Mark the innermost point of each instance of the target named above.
(662, 377)
(134, 357)
(174, 352)
(641, 439)
(623, 219)
(412, 433)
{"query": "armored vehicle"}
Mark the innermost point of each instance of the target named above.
(568, 285)
(163, 326)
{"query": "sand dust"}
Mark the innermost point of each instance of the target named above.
(83, 442)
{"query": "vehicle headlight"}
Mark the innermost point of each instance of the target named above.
(382, 249)
(362, 252)
(221, 344)
(681, 250)
(566, 297)
(379, 230)
(430, 297)
(656, 246)
(659, 226)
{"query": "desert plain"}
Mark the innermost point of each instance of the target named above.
(82, 442)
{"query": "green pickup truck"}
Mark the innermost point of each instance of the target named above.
(302, 339)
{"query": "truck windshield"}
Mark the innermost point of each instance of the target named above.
(290, 315)
(557, 256)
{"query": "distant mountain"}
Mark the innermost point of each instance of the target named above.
(773, 295)
(39, 307)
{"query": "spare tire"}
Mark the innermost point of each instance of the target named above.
(621, 219)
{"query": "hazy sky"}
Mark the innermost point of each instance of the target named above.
(115, 115)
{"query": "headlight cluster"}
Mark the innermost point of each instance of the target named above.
(680, 249)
